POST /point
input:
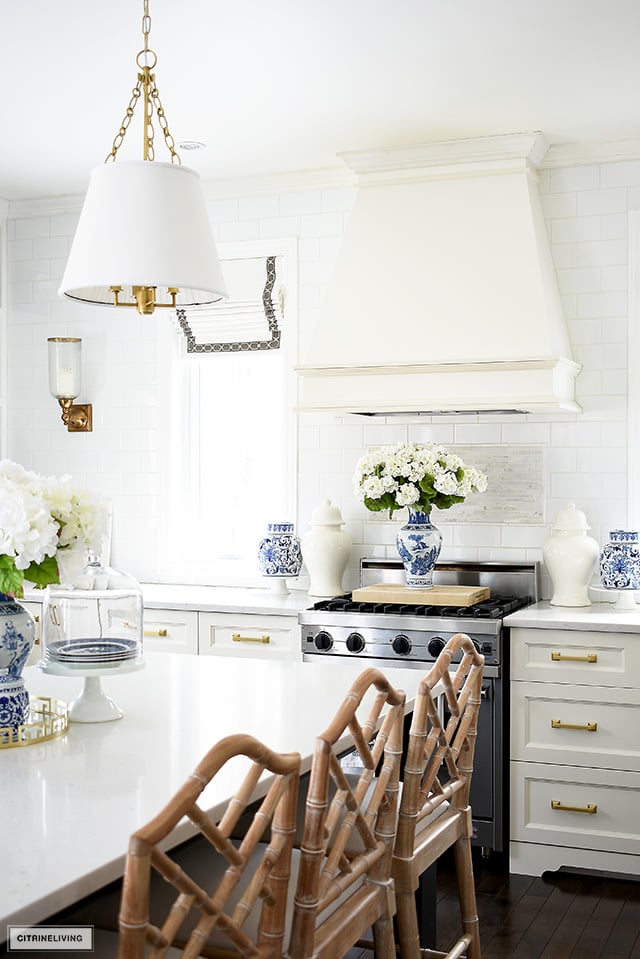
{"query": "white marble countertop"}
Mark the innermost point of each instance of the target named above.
(222, 599)
(599, 616)
(69, 805)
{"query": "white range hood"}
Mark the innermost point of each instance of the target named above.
(444, 296)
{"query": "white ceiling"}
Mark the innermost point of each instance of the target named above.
(285, 85)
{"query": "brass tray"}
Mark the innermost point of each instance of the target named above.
(48, 719)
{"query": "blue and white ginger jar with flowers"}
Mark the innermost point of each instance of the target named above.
(279, 553)
(620, 561)
(17, 635)
(419, 543)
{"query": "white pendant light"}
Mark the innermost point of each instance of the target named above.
(144, 239)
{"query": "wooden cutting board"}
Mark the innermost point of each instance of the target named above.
(436, 596)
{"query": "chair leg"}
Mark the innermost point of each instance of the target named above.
(467, 895)
(383, 940)
(407, 922)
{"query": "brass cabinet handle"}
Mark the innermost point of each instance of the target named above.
(237, 638)
(36, 618)
(591, 807)
(148, 632)
(588, 727)
(560, 657)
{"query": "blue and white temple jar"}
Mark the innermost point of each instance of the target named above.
(279, 553)
(419, 543)
(17, 635)
(620, 561)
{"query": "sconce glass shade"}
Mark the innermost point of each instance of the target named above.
(144, 224)
(65, 376)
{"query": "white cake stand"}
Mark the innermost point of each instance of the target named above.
(92, 705)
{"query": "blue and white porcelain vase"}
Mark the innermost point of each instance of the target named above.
(620, 561)
(419, 543)
(279, 553)
(17, 635)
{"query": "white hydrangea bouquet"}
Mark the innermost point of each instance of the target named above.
(417, 475)
(46, 527)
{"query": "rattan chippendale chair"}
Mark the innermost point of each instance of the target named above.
(344, 870)
(434, 811)
(216, 898)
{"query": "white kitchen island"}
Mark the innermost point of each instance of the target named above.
(70, 804)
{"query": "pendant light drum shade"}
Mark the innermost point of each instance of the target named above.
(144, 224)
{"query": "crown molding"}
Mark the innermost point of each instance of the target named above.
(322, 179)
(557, 155)
(579, 154)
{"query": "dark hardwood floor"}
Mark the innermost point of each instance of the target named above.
(556, 916)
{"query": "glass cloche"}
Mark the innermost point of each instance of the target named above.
(92, 629)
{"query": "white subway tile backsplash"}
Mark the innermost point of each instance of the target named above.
(259, 207)
(31, 227)
(626, 173)
(614, 226)
(565, 255)
(581, 280)
(603, 253)
(602, 201)
(576, 229)
(574, 178)
(293, 204)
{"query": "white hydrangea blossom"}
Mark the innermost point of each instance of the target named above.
(45, 517)
(414, 474)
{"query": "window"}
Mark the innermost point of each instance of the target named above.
(231, 466)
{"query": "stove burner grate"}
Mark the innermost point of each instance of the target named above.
(494, 608)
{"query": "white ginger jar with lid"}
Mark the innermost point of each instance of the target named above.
(570, 557)
(325, 550)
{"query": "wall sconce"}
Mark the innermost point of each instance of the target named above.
(65, 382)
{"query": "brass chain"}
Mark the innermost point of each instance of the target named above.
(146, 61)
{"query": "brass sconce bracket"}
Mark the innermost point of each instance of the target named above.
(77, 417)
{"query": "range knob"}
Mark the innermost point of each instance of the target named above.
(355, 643)
(323, 640)
(401, 645)
(436, 645)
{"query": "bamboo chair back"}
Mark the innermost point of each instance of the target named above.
(208, 909)
(434, 810)
(344, 885)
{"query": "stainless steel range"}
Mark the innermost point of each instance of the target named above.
(396, 634)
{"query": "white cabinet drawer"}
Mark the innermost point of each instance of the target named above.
(171, 630)
(575, 656)
(591, 725)
(614, 798)
(249, 634)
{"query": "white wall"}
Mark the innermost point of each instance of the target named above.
(585, 454)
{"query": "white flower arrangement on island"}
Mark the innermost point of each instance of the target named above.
(416, 475)
(47, 525)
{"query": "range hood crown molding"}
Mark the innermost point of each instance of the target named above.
(444, 295)
(484, 155)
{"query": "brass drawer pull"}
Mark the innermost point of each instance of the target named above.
(588, 727)
(237, 638)
(149, 632)
(591, 807)
(560, 657)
